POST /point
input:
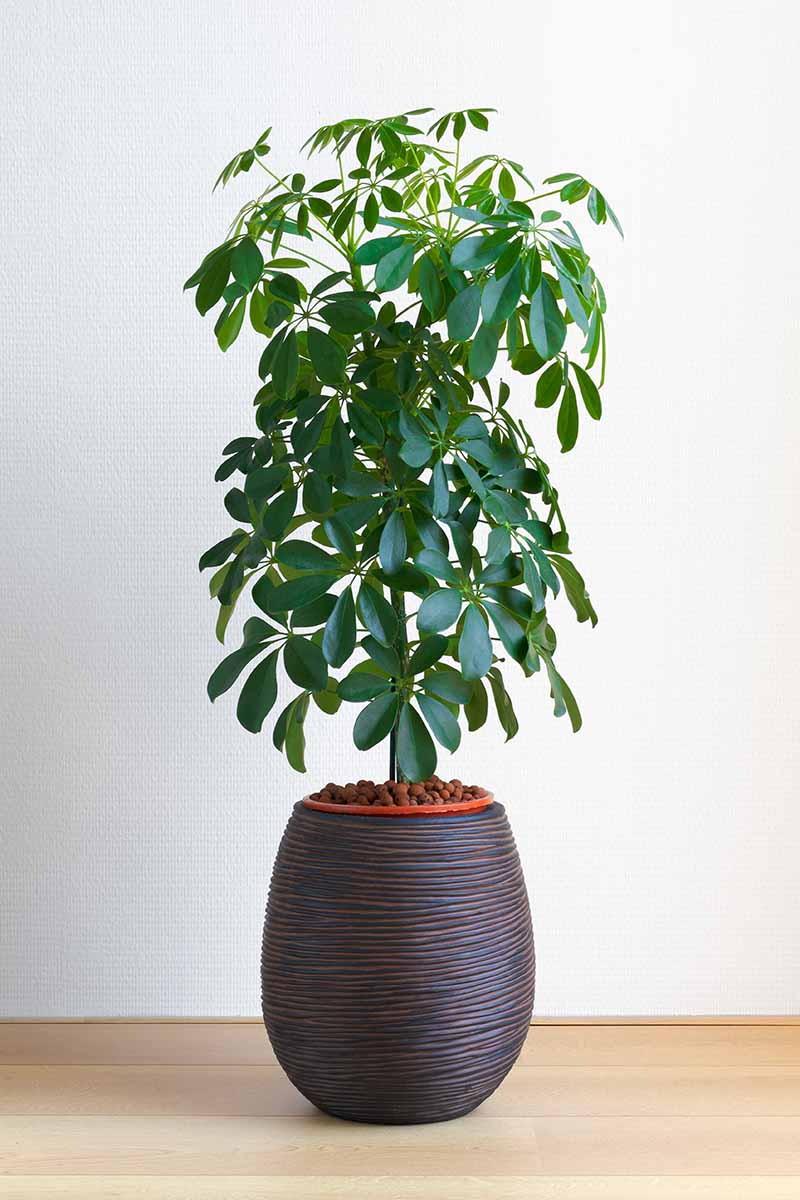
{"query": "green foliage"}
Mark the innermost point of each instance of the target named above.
(395, 521)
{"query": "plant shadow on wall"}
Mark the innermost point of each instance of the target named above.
(386, 292)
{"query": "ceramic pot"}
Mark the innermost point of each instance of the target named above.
(397, 961)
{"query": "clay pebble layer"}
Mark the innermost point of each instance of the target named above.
(396, 792)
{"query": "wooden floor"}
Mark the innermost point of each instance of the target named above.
(194, 1111)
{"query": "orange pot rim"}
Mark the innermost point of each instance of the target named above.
(394, 810)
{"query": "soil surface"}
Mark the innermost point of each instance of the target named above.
(392, 792)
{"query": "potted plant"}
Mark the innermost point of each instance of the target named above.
(400, 538)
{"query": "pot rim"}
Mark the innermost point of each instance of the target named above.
(420, 810)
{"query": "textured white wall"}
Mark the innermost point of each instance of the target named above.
(661, 844)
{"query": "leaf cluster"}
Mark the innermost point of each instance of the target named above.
(433, 538)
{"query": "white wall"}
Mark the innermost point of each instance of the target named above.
(660, 844)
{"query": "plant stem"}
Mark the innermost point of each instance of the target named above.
(392, 753)
(401, 646)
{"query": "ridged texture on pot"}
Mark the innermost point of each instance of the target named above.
(397, 963)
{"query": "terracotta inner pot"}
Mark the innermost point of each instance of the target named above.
(395, 810)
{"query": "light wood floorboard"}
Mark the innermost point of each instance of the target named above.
(199, 1110)
(409, 1187)
(529, 1091)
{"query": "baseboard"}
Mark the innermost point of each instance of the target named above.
(210, 1042)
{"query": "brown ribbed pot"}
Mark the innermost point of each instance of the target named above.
(397, 963)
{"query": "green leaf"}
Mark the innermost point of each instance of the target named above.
(285, 288)
(575, 190)
(371, 252)
(305, 664)
(502, 702)
(381, 399)
(477, 708)
(365, 425)
(434, 563)
(376, 721)
(498, 545)
(474, 646)
(392, 199)
(286, 596)
(330, 281)
(263, 482)
(259, 694)
(328, 701)
(614, 221)
(447, 684)
(532, 272)
(339, 638)
(230, 669)
(549, 384)
(341, 536)
(364, 146)
(575, 588)
(548, 574)
(416, 448)
(384, 657)
(573, 302)
(393, 544)
(430, 285)
(341, 449)
(441, 495)
(589, 392)
(501, 296)
(505, 184)
(567, 424)
(348, 316)
(315, 613)
(284, 368)
(562, 695)
(327, 356)
(237, 506)
(416, 753)
(221, 552)
(295, 744)
(547, 327)
(228, 331)
(428, 652)
(441, 721)
(512, 635)
(463, 312)
(212, 285)
(483, 351)
(474, 253)
(394, 268)
(279, 514)
(361, 685)
(439, 611)
(377, 614)
(247, 263)
(371, 212)
(596, 205)
(305, 556)
(256, 630)
(527, 361)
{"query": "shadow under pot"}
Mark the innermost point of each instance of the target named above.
(397, 962)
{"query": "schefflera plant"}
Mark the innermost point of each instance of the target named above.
(398, 531)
